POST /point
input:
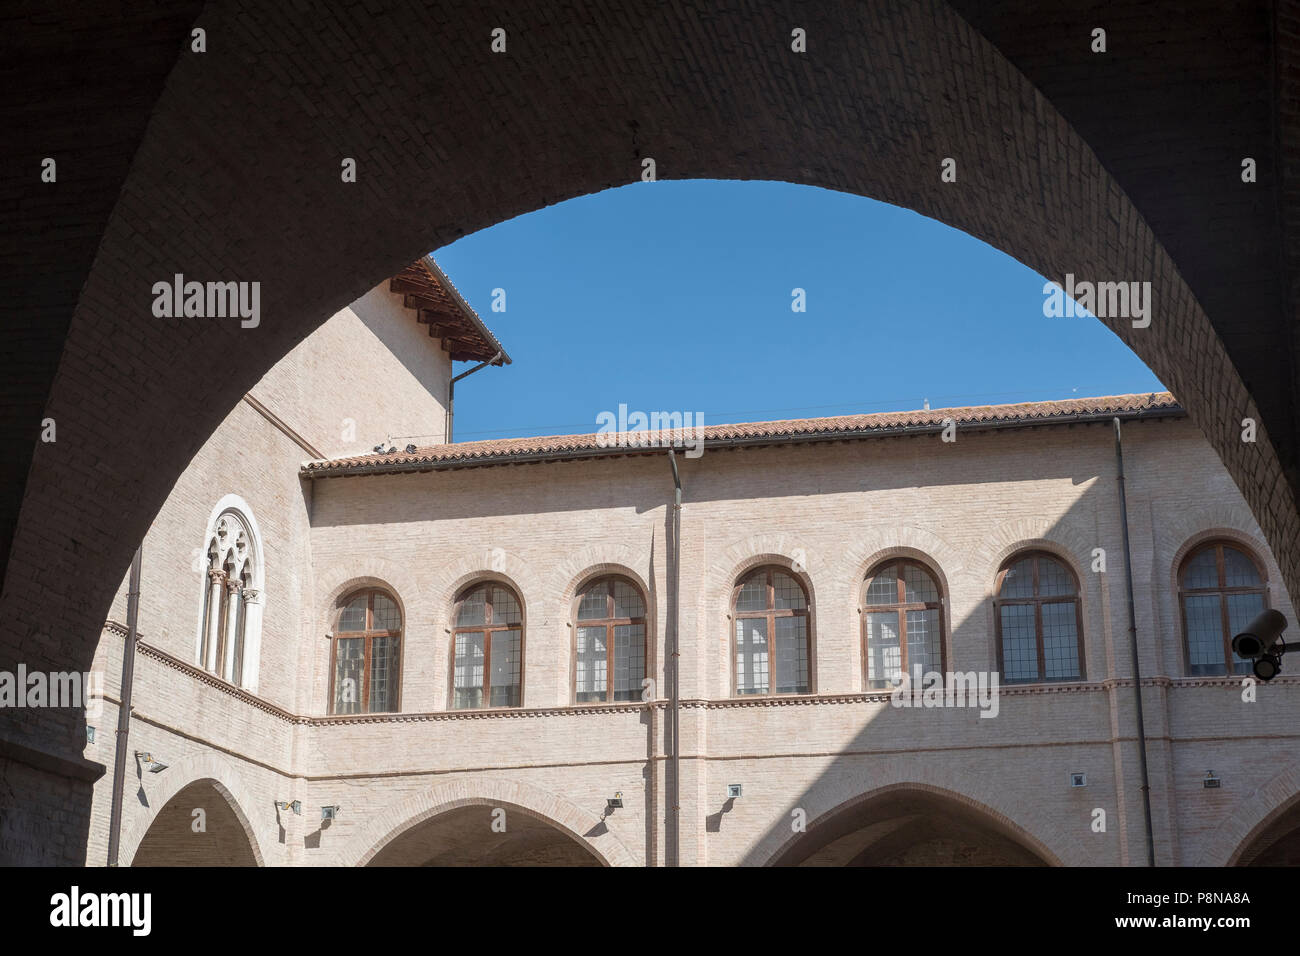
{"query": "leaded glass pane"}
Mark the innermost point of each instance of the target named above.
(594, 604)
(1202, 571)
(1019, 643)
(884, 651)
(629, 661)
(590, 670)
(383, 674)
(386, 617)
(753, 593)
(505, 607)
(751, 655)
(883, 588)
(918, 586)
(348, 664)
(1018, 582)
(1241, 608)
(1060, 641)
(473, 610)
(924, 642)
(1053, 579)
(353, 617)
(468, 670)
(1202, 612)
(627, 601)
(791, 655)
(789, 595)
(1239, 571)
(506, 668)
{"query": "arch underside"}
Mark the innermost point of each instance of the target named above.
(484, 836)
(198, 826)
(906, 827)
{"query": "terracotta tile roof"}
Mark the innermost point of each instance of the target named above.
(879, 424)
(429, 293)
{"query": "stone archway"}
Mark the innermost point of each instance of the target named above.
(912, 826)
(176, 838)
(458, 138)
(451, 825)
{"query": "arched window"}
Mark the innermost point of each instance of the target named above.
(367, 654)
(609, 650)
(902, 623)
(1220, 589)
(231, 617)
(773, 640)
(488, 648)
(1037, 614)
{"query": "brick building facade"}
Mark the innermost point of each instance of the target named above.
(789, 531)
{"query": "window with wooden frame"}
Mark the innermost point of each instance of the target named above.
(1220, 588)
(1038, 619)
(609, 641)
(487, 648)
(902, 623)
(773, 640)
(366, 655)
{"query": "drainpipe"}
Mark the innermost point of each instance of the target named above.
(674, 658)
(451, 391)
(1132, 637)
(124, 709)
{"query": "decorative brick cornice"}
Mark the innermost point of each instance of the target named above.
(523, 713)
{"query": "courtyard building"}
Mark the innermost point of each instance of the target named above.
(884, 639)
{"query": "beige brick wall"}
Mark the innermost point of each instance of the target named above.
(837, 508)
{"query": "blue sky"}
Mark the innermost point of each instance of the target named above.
(676, 296)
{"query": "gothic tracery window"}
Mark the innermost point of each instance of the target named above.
(231, 599)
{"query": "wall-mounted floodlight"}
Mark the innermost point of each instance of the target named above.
(296, 806)
(151, 763)
(614, 802)
(733, 791)
(1078, 779)
(327, 814)
(1211, 782)
(1261, 642)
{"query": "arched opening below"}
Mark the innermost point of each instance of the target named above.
(481, 836)
(908, 828)
(1278, 844)
(176, 838)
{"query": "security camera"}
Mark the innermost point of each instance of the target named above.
(1261, 642)
(1260, 635)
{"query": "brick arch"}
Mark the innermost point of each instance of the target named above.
(1245, 541)
(356, 573)
(201, 768)
(886, 91)
(593, 561)
(1250, 817)
(777, 843)
(496, 564)
(393, 821)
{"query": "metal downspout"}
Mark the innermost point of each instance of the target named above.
(1132, 636)
(124, 710)
(674, 658)
(451, 392)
